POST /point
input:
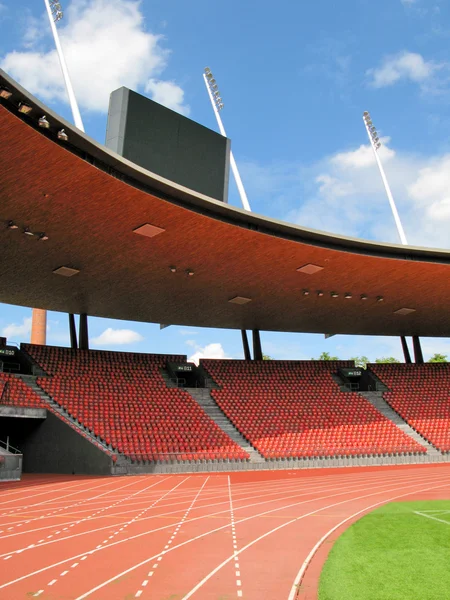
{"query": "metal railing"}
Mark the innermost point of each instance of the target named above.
(7, 446)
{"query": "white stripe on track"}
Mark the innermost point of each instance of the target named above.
(86, 594)
(275, 529)
(296, 585)
(343, 478)
(322, 488)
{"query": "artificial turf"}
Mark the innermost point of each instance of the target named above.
(392, 554)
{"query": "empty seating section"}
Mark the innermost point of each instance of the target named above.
(295, 409)
(123, 399)
(14, 392)
(420, 394)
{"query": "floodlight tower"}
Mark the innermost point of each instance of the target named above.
(376, 144)
(217, 104)
(55, 14)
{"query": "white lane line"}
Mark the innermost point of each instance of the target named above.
(38, 593)
(375, 481)
(144, 583)
(430, 517)
(275, 529)
(306, 562)
(138, 593)
(63, 573)
(52, 582)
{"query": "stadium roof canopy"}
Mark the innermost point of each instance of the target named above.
(89, 202)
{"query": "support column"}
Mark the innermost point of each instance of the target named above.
(73, 332)
(83, 332)
(418, 356)
(245, 344)
(257, 350)
(39, 326)
(405, 348)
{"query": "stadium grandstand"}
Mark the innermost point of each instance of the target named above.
(247, 436)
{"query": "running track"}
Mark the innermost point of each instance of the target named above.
(257, 535)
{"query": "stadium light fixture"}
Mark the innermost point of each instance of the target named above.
(217, 104)
(376, 145)
(43, 122)
(62, 135)
(55, 14)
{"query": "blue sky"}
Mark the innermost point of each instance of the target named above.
(295, 78)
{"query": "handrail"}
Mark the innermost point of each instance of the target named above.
(7, 446)
(3, 394)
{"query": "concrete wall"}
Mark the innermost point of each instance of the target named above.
(51, 446)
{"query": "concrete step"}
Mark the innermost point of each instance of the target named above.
(203, 397)
(377, 400)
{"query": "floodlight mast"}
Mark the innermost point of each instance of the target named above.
(217, 104)
(55, 14)
(376, 144)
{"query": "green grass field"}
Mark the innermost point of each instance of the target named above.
(393, 553)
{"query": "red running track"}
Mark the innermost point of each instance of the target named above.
(244, 535)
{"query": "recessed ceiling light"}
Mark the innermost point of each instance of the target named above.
(43, 237)
(148, 230)
(12, 225)
(347, 296)
(305, 292)
(239, 300)
(334, 294)
(27, 231)
(363, 297)
(66, 271)
(24, 108)
(404, 311)
(189, 273)
(380, 299)
(173, 269)
(319, 293)
(309, 269)
(5, 93)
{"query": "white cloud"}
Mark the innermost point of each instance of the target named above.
(167, 93)
(15, 330)
(403, 66)
(106, 46)
(117, 337)
(431, 190)
(214, 350)
(187, 332)
(363, 156)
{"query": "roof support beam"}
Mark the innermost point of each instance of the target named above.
(405, 349)
(418, 356)
(83, 333)
(245, 345)
(257, 350)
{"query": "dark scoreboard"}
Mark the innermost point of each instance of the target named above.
(168, 144)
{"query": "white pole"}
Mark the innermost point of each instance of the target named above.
(237, 177)
(398, 223)
(72, 100)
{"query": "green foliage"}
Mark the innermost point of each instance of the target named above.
(438, 358)
(360, 361)
(326, 356)
(391, 554)
(267, 357)
(387, 359)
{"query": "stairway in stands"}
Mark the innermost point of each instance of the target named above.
(122, 461)
(203, 397)
(377, 400)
